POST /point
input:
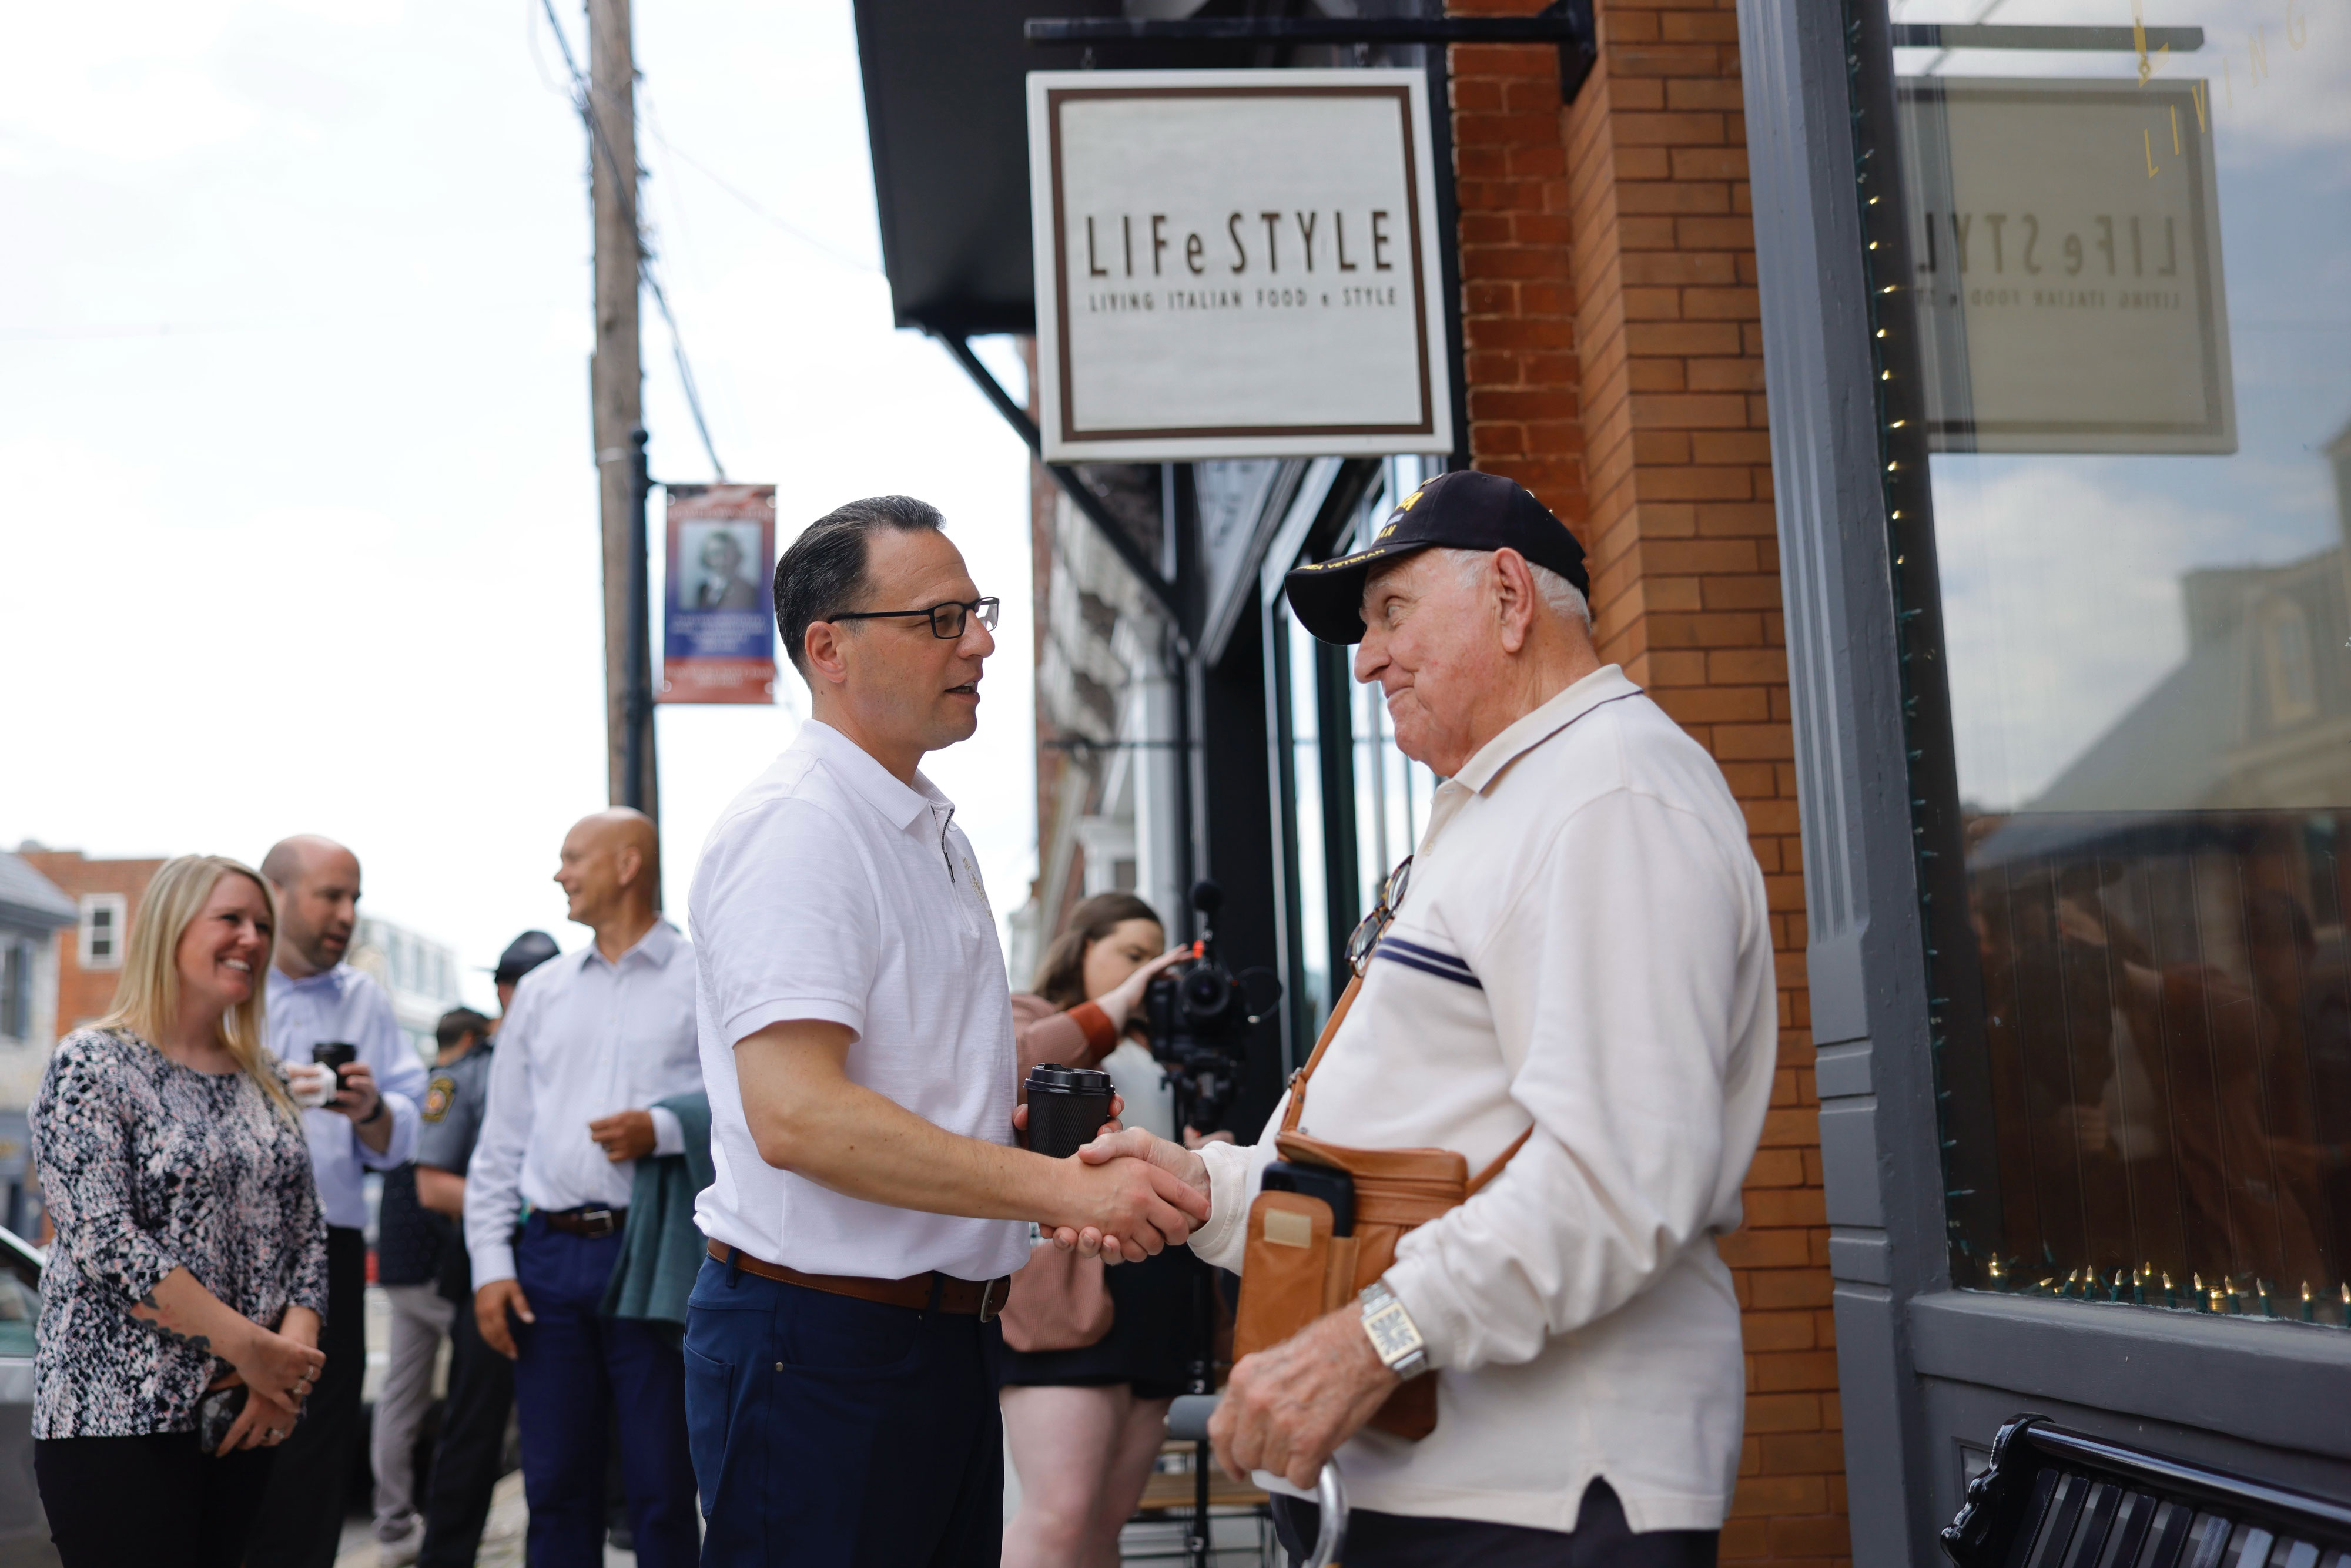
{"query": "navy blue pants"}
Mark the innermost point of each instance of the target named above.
(834, 1433)
(576, 1370)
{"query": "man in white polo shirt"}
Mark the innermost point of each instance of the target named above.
(856, 1034)
(1578, 956)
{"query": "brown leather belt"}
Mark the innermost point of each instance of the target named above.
(963, 1297)
(592, 1223)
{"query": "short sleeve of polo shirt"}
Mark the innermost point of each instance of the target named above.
(787, 923)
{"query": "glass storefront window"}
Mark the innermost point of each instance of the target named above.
(2111, 273)
(1311, 907)
(1352, 805)
(1392, 791)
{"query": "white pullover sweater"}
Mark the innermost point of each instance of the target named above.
(1584, 946)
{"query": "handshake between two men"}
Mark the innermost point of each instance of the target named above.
(1125, 1196)
(1173, 1174)
(1285, 1409)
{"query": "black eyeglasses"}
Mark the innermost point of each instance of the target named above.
(948, 620)
(1365, 940)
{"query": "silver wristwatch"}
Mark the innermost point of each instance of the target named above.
(1396, 1338)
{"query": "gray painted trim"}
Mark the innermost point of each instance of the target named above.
(1925, 1371)
(2287, 1384)
(1867, 968)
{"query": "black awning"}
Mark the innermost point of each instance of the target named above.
(947, 115)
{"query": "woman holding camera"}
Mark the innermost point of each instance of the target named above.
(1092, 1355)
(179, 1310)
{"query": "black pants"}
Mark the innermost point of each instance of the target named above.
(301, 1521)
(1601, 1538)
(473, 1438)
(156, 1501)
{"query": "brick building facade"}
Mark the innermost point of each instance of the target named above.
(1612, 357)
(1615, 367)
(85, 988)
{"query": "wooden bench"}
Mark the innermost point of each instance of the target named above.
(2054, 1498)
(1171, 1490)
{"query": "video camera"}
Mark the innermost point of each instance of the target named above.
(1199, 1015)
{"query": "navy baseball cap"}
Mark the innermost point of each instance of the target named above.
(1461, 510)
(523, 954)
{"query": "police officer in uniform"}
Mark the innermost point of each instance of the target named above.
(481, 1381)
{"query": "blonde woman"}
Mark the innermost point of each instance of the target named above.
(189, 1271)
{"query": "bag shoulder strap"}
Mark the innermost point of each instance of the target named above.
(1330, 1032)
(1492, 1171)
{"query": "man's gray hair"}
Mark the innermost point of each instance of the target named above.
(1560, 596)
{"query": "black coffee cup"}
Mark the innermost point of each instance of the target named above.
(1067, 1106)
(335, 1055)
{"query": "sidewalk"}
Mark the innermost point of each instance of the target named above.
(502, 1540)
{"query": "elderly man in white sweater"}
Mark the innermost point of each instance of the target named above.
(1582, 954)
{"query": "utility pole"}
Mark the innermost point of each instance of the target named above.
(616, 383)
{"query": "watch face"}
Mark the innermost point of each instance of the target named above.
(1393, 1336)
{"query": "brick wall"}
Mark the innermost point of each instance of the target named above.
(87, 994)
(1614, 364)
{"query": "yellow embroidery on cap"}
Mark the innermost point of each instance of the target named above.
(1405, 505)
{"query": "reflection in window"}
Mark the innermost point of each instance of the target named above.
(1392, 791)
(101, 931)
(20, 1311)
(1392, 796)
(2287, 645)
(2128, 364)
(1311, 901)
(15, 989)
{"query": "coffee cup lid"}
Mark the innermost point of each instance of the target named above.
(1057, 1078)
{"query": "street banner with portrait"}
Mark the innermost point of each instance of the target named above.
(718, 618)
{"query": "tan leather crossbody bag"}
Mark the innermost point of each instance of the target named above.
(1295, 1270)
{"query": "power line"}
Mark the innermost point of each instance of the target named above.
(626, 189)
(720, 181)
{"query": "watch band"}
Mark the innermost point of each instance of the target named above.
(1396, 1338)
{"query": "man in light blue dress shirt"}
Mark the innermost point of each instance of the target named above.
(315, 997)
(592, 1040)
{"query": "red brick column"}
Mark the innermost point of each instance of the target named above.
(1614, 364)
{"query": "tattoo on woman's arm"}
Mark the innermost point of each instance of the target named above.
(194, 1342)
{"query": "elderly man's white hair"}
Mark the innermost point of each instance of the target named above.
(1560, 596)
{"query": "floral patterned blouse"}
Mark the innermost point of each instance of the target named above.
(146, 1166)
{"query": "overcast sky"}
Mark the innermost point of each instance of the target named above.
(300, 516)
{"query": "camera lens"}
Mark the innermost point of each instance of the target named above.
(1206, 994)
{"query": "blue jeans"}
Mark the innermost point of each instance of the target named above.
(577, 1368)
(834, 1433)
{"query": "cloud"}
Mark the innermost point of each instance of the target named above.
(325, 556)
(2269, 92)
(2062, 604)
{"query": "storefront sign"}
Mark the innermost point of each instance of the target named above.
(1236, 264)
(719, 624)
(2065, 241)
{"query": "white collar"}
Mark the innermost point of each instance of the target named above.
(879, 788)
